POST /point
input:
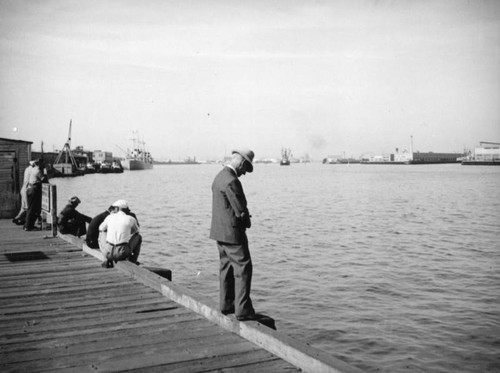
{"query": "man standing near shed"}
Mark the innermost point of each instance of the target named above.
(34, 196)
(230, 219)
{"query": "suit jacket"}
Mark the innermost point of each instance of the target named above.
(69, 213)
(228, 205)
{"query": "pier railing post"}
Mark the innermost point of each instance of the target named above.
(49, 207)
(53, 209)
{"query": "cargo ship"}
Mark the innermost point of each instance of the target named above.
(285, 157)
(138, 158)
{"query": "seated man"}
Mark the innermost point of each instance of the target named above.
(70, 221)
(92, 238)
(122, 238)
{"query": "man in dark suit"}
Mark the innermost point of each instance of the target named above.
(230, 219)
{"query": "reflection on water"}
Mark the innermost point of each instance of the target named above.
(389, 268)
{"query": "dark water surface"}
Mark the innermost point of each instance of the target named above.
(390, 268)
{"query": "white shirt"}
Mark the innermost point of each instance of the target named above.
(119, 227)
(26, 179)
(232, 168)
(35, 175)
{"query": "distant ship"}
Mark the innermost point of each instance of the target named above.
(188, 160)
(285, 157)
(109, 168)
(137, 158)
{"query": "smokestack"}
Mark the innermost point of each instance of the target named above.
(411, 146)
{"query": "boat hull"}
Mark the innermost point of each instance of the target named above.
(136, 164)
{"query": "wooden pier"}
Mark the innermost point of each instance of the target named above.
(60, 311)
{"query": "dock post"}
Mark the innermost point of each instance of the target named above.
(49, 207)
(53, 209)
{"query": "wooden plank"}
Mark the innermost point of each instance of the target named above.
(60, 291)
(64, 315)
(46, 303)
(238, 362)
(107, 320)
(124, 358)
(143, 304)
(37, 267)
(139, 329)
(70, 281)
(96, 330)
(53, 320)
(174, 355)
(141, 342)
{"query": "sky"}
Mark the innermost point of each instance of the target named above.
(202, 77)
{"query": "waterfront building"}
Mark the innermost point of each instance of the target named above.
(487, 151)
(430, 157)
(383, 158)
(414, 158)
(102, 156)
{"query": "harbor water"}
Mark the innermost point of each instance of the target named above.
(390, 268)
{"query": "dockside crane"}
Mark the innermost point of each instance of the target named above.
(68, 166)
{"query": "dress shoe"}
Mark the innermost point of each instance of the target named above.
(251, 317)
(31, 229)
(107, 264)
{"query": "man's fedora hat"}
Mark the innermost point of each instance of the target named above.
(74, 200)
(248, 155)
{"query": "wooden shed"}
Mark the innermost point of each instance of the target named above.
(14, 158)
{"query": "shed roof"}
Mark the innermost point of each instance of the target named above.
(18, 141)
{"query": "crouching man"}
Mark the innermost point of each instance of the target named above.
(119, 236)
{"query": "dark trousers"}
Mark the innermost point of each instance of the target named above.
(34, 194)
(235, 278)
(135, 245)
(76, 227)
